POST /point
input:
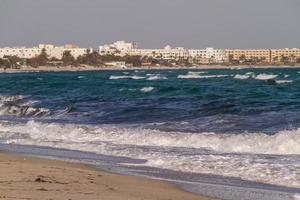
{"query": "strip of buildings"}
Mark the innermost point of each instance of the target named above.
(51, 50)
(168, 53)
(205, 56)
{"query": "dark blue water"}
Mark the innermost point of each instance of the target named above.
(241, 123)
(217, 104)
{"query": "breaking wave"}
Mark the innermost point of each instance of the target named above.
(283, 143)
(199, 76)
(16, 106)
(284, 81)
(147, 89)
(265, 76)
(126, 77)
(245, 155)
(153, 77)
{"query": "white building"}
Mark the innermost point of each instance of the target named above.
(169, 53)
(21, 52)
(51, 50)
(121, 48)
(207, 56)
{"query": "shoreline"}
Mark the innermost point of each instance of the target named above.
(90, 68)
(29, 177)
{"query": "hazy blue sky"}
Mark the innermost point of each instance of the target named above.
(152, 23)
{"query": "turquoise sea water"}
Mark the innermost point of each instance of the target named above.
(241, 123)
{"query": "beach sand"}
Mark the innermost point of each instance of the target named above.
(23, 177)
(91, 68)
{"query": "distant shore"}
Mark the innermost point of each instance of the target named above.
(24, 177)
(91, 68)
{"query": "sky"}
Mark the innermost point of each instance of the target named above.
(152, 23)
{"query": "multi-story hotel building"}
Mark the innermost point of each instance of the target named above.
(291, 54)
(237, 54)
(207, 56)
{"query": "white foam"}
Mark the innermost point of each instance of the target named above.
(153, 77)
(197, 76)
(284, 81)
(196, 72)
(126, 77)
(154, 146)
(138, 77)
(147, 89)
(282, 143)
(242, 77)
(15, 105)
(265, 76)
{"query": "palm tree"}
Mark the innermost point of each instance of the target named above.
(292, 58)
(284, 59)
(275, 59)
(242, 58)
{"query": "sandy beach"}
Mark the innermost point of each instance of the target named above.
(91, 68)
(24, 177)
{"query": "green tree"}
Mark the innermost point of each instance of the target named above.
(293, 58)
(12, 61)
(90, 59)
(242, 58)
(68, 59)
(136, 61)
(230, 58)
(284, 59)
(4, 63)
(40, 60)
(275, 59)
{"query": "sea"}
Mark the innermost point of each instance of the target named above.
(227, 133)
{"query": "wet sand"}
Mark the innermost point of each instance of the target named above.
(23, 177)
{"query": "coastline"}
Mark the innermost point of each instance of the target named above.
(26, 177)
(91, 68)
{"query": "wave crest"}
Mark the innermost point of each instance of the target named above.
(15, 105)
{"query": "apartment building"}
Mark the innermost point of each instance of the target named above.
(262, 54)
(120, 48)
(51, 50)
(21, 52)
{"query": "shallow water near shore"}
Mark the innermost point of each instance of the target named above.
(242, 124)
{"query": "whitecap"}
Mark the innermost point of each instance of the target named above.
(265, 76)
(196, 72)
(156, 77)
(196, 76)
(242, 77)
(113, 77)
(284, 81)
(137, 77)
(147, 89)
(16, 106)
(119, 77)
